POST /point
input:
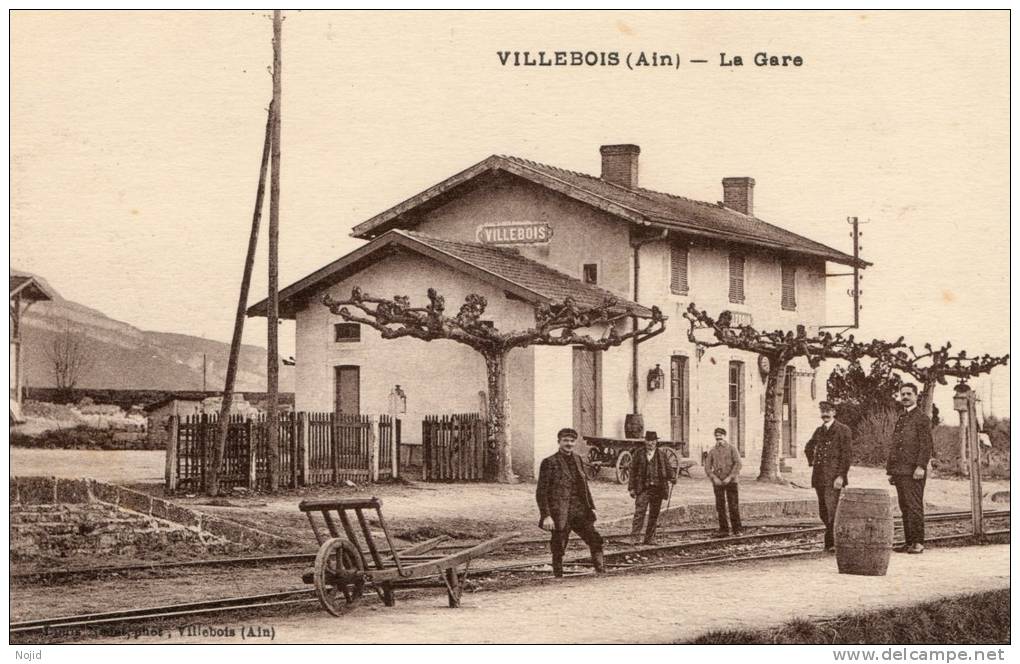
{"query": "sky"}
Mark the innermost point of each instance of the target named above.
(136, 139)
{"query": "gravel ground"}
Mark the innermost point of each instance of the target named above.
(652, 608)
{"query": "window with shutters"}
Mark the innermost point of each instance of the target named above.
(736, 278)
(789, 279)
(678, 257)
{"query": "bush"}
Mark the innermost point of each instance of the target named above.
(80, 437)
(873, 432)
(981, 618)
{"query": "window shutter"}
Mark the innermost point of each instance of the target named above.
(678, 257)
(736, 278)
(789, 279)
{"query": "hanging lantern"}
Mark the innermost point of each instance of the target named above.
(656, 378)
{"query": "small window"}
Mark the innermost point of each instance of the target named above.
(736, 278)
(591, 273)
(789, 282)
(347, 332)
(678, 257)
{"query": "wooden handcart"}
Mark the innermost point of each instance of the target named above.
(617, 453)
(348, 564)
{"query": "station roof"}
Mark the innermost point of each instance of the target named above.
(636, 205)
(501, 267)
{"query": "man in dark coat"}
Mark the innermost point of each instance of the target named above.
(907, 466)
(565, 503)
(650, 479)
(828, 453)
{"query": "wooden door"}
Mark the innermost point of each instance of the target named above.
(789, 413)
(587, 393)
(679, 399)
(347, 390)
(736, 403)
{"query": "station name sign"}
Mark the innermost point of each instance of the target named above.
(524, 232)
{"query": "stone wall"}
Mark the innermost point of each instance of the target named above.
(57, 517)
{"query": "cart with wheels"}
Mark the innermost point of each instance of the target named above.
(617, 453)
(347, 565)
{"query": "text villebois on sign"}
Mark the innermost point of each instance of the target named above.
(516, 233)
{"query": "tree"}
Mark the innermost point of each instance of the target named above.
(932, 367)
(779, 348)
(556, 324)
(71, 359)
(865, 401)
(857, 392)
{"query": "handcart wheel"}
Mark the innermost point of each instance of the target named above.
(591, 471)
(623, 467)
(673, 460)
(339, 576)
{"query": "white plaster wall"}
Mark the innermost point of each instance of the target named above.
(581, 234)
(554, 402)
(439, 377)
(708, 278)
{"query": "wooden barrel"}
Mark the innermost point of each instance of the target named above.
(863, 531)
(634, 425)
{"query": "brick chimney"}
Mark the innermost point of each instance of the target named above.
(619, 164)
(738, 194)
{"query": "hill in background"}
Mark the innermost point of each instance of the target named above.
(125, 357)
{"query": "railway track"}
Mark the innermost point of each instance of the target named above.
(515, 545)
(757, 547)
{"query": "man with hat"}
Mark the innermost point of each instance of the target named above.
(828, 453)
(565, 503)
(650, 478)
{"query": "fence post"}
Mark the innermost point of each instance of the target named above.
(373, 447)
(253, 454)
(394, 447)
(304, 428)
(171, 455)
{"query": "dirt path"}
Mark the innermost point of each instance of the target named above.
(654, 608)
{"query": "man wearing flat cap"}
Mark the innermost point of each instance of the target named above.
(565, 503)
(828, 453)
(650, 478)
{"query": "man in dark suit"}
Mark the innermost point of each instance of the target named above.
(565, 503)
(828, 453)
(907, 466)
(650, 478)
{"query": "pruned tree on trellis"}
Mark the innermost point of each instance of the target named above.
(934, 366)
(779, 347)
(556, 324)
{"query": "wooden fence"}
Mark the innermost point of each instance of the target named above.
(455, 448)
(315, 448)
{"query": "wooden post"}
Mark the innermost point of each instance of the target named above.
(242, 305)
(303, 431)
(373, 448)
(170, 476)
(253, 454)
(273, 301)
(394, 449)
(977, 510)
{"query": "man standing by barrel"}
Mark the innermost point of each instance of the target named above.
(828, 453)
(907, 466)
(565, 502)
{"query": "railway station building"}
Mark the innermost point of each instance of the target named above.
(519, 233)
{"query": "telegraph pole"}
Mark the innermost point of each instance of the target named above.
(273, 354)
(242, 305)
